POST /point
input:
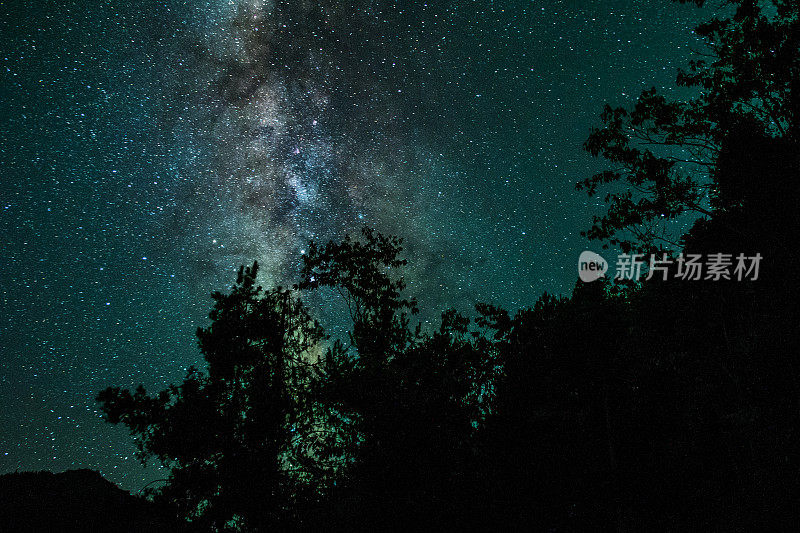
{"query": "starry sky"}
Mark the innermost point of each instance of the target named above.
(149, 148)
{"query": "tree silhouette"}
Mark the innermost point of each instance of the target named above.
(665, 152)
(229, 435)
(282, 432)
(414, 399)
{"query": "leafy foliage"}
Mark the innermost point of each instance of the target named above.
(665, 152)
(229, 435)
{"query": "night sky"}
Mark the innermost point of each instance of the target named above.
(149, 149)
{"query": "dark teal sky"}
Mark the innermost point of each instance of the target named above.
(150, 149)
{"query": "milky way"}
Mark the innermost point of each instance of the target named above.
(150, 149)
(306, 134)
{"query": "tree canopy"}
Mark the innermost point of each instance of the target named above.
(665, 151)
(660, 406)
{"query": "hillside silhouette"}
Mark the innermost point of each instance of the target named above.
(75, 500)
